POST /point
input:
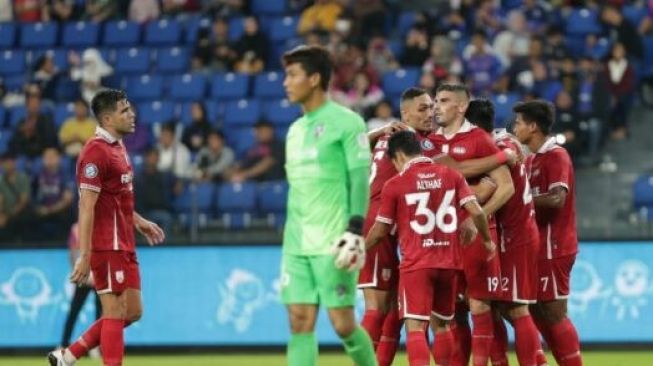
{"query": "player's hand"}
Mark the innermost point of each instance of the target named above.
(151, 231)
(468, 231)
(394, 127)
(82, 270)
(491, 248)
(512, 157)
(349, 249)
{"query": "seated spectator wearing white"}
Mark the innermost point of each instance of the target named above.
(174, 157)
(14, 200)
(77, 129)
(195, 134)
(382, 116)
(53, 197)
(89, 70)
(154, 191)
(213, 160)
(361, 95)
(35, 132)
(512, 42)
(264, 161)
(142, 11)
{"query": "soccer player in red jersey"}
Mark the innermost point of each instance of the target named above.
(423, 202)
(552, 182)
(106, 232)
(379, 277)
(461, 140)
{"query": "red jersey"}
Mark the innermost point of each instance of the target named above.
(516, 219)
(551, 167)
(470, 142)
(422, 201)
(103, 166)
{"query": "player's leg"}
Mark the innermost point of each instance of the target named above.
(443, 343)
(299, 293)
(391, 332)
(462, 333)
(499, 347)
(417, 345)
(443, 310)
(527, 340)
(79, 297)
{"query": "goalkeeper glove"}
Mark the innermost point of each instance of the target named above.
(349, 249)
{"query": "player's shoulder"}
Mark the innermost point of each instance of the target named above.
(557, 153)
(95, 146)
(343, 116)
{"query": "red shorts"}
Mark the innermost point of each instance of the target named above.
(554, 278)
(519, 274)
(426, 292)
(115, 271)
(381, 269)
(482, 277)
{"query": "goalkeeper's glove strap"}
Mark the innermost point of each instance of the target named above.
(356, 225)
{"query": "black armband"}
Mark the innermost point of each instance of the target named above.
(355, 225)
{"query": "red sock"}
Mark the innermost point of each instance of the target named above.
(482, 335)
(442, 348)
(385, 352)
(527, 341)
(89, 340)
(567, 343)
(372, 323)
(418, 349)
(499, 348)
(540, 358)
(545, 330)
(462, 349)
(111, 342)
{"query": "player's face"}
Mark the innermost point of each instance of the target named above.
(418, 113)
(448, 107)
(124, 119)
(298, 84)
(522, 129)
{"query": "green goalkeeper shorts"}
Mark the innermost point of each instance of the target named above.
(315, 280)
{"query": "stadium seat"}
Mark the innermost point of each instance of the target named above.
(242, 113)
(582, 21)
(269, 85)
(7, 34)
(201, 194)
(132, 61)
(3, 115)
(266, 7)
(162, 32)
(503, 104)
(405, 22)
(59, 55)
(283, 28)
(236, 28)
(12, 62)
(395, 82)
(214, 111)
(15, 82)
(62, 112)
(643, 191)
(35, 35)
(155, 112)
(145, 87)
(281, 112)
(121, 34)
(240, 139)
(237, 197)
(80, 34)
(635, 14)
(115, 81)
(172, 60)
(647, 63)
(187, 87)
(66, 90)
(5, 136)
(272, 196)
(15, 114)
(192, 26)
(229, 86)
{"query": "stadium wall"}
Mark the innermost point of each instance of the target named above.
(228, 296)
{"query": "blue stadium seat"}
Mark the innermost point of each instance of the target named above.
(172, 60)
(643, 191)
(583, 21)
(283, 28)
(395, 82)
(187, 87)
(237, 197)
(266, 7)
(281, 112)
(405, 22)
(635, 14)
(15, 82)
(269, 85)
(162, 32)
(108, 54)
(66, 90)
(15, 114)
(115, 81)
(647, 62)
(192, 27)
(242, 113)
(12, 62)
(236, 28)
(59, 55)
(397, 48)
(121, 33)
(3, 114)
(272, 196)
(214, 111)
(7, 34)
(145, 87)
(503, 104)
(240, 139)
(229, 86)
(132, 61)
(62, 112)
(5, 136)
(203, 193)
(80, 34)
(34, 35)
(155, 112)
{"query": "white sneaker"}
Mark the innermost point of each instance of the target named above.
(94, 353)
(56, 358)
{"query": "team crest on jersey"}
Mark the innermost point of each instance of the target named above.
(120, 276)
(386, 273)
(427, 145)
(90, 170)
(319, 130)
(459, 150)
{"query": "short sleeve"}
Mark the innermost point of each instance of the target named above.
(355, 143)
(556, 170)
(485, 145)
(464, 194)
(388, 209)
(91, 168)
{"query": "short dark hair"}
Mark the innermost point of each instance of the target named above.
(170, 126)
(481, 113)
(216, 133)
(105, 101)
(454, 88)
(404, 141)
(81, 101)
(539, 111)
(412, 93)
(313, 59)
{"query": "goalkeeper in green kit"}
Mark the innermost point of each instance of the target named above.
(327, 165)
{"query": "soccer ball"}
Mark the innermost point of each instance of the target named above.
(349, 252)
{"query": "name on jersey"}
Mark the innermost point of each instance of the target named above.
(423, 185)
(381, 145)
(429, 243)
(126, 178)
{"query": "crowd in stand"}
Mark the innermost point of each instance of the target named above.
(504, 50)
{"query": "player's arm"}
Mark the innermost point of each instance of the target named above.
(475, 167)
(483, 190)
(388, 129)
(379, 231)
(505, 189)
(150, 230)
(87, 200)
(480, 221)
(554, 198)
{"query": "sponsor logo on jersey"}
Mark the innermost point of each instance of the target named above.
(459, 150)
(427, 145)
(126, 178)
(90, 170)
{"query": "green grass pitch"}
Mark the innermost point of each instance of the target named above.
(590, 358)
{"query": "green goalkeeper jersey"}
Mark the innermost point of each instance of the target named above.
(321, 148)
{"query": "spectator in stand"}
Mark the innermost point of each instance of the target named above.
(482, 68)
(14, 200)
(416, 51)
(567, 123)
(154, 191)
(101, 10)
(554, 47)
(427, 82)
(361, 96)
(213, 161)
(53, 196)
(320, 16)
(46, 76)
(382, 115)
(622, 31)
(174, 157)
(213, 48)
(89, 70)
(175, 7)
(195, 135)
(142, 11)
(621, 84)
(351, 62)
(380, 56)
(77, 129)
(265, 161)
(442, 62)
(29, 10)
(514, 41)
(223, 8)
(249, 63)
(252, 40)
(535, 14)
(6, 11)
(369, 18)
(486, 17)
(35, 132)
(61, 10)
(593, 106)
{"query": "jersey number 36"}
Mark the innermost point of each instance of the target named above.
(445, 212)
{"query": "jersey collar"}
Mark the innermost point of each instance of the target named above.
(549, 145)
(105, 135)
(465, 127)
(413, 161)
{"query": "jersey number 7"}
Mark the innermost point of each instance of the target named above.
(433, 219)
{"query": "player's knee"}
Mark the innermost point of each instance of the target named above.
(300, 322)
(517, 312)
(343, 327)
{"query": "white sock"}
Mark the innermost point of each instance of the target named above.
(68, 357)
